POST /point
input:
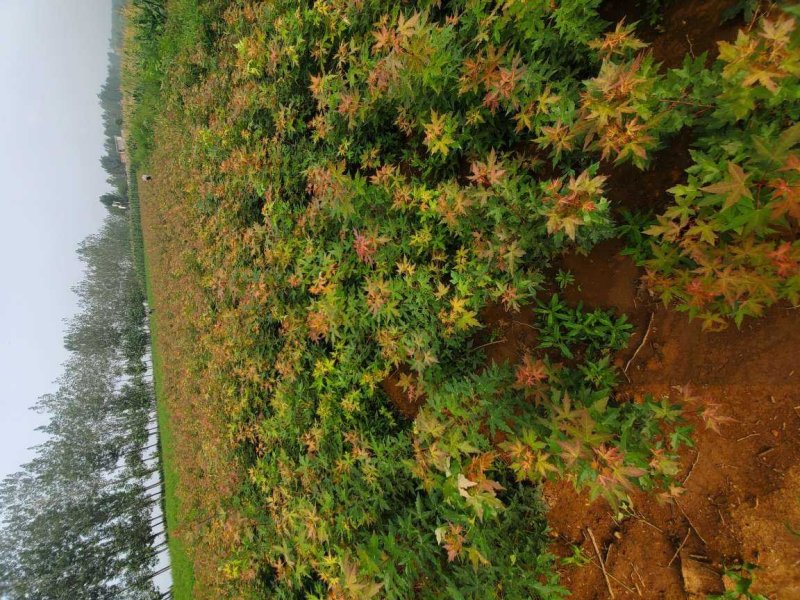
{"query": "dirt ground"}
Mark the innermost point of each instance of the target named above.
(742, 496)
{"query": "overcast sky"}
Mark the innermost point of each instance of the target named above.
(53, 60)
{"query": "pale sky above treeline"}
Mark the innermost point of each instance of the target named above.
(53, 61)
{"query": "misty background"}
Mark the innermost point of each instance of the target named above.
(53, 60)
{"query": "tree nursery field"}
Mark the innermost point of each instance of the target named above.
(474, 298)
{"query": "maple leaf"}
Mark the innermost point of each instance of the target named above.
(778, 150)
(316, 85)
(686, 392)
(355, 585)
(787, 199)
(571, 451)
(438, 136)
(476, 558)
(464, 485)
(568, 224)
(510, 253)
(488, 173)
(666, 228)
(542, 467)
(792, 163)
(669, 496)
(451, 538)
(618, 42)
(405, 381)
(784, 260)
(734, 188)
(703, 230)
(765, 77)
(699, 292)
(531, 371)
(466, 321)
(407, 27)
(478, 466)
(366, 245)
(461, 317)
(384, 38)
(777, 31)
(510, 298)
(712, 418)
(559, 136)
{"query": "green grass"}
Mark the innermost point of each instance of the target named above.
(182, 31)
(181, 563)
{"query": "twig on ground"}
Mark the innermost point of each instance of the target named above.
(721, 518)
(691, 469)
(640, 517)
(600, 560)
(500, 341)
(747, 437)
(674, 556)
(765, 452)
(635, 570)
(688, 520)
(620, 582)
(644, 341)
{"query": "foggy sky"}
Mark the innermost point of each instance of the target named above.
(53, 60)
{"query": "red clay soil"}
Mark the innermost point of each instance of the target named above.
(406, 404)
(630, 190)
(742, 485)
(687, 27)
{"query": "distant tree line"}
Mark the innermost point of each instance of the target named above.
(83, 519)
(111, 102)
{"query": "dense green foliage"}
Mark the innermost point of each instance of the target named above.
(362, 192)
(728, 246)
(351, 186)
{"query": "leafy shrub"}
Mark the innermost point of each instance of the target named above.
(727, 248)
(359, 182)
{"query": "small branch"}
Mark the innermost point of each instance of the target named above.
(640, 517)
(691, 469)
(500, 341)
(635, 570)
(691, 48)
(644, 341)
(765, 452)
(600, 560)
(674, 556)
(689, 521)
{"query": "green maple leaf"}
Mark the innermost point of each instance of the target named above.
(666, 411)
(775, 151)
(442, 145)
(734, 188)
(466, 320)
(705, 231)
